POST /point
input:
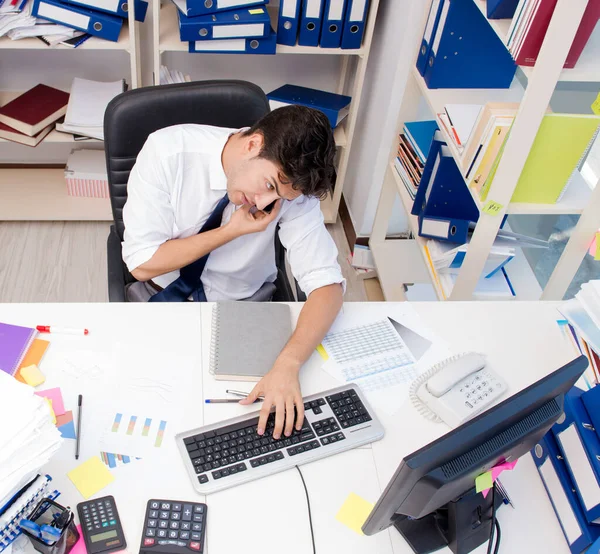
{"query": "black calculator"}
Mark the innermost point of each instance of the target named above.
(101, 526)
(173, 527)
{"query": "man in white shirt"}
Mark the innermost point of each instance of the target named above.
(180, 178)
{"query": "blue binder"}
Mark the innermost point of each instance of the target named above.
(334, 106)
(289, 19)
(310, 22)
(254, 23)
(119, 8)
(207, 7)
(579, 443)
(420, 134)
(95, 23)
(501, 9)
(333, 20)
(591, 402)
(435, 10)
(466, 52)
(557, 482)
(267, 45)
(354, 24)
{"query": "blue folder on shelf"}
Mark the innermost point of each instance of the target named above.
(466, 52)
(95, 23)
(501, 9)
(433, 19)
(266, 46)
(334, 106)
(207, 7)
(354, 24)
(289, 19)
(559, 486)
(580, 446)
(119, 8)
(333, 20)
(244, 23)
(311, 19)
(420, 134)
(591, 402)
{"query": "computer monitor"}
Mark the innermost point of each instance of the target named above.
(431, 498)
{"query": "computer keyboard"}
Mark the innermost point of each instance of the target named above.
(231, 452)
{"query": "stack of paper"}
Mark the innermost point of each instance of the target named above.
(17, 22)
(87, 104)
(28, 436)
(172, 76)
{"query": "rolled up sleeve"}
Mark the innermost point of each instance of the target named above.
(311, 251)
(148, 214)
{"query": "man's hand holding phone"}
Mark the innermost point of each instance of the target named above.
(248, 219)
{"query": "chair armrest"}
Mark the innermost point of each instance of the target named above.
(116, 273)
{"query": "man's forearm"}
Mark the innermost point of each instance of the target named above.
(177, 253)
(316, 317)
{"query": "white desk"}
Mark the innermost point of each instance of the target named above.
(522, 342)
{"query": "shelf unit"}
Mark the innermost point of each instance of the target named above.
(166, 39)
(534, 97)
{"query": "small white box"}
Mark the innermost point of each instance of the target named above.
(86, 175)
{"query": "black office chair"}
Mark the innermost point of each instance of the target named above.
(133, 115)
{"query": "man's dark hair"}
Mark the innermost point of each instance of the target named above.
(300, 142)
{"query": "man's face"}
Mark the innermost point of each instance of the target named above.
(256, 181)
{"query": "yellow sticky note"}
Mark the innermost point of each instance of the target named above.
(492, 208)
(322, 352)
(32, 375)
(597, 254)
(484, 481)
(354, 512)
(90, 477)
(596, 105)
(52, 415)
(256, 11)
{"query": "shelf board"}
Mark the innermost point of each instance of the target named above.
(339, 134)
(170, 41)
(329, 214)
(41, 195)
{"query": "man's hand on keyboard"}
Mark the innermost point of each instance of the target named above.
(280, 388)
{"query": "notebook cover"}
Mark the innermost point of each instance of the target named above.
(14, 343)
(313, 98)
(586, 28)
(33, 356)
(246, 338)
(35, 105)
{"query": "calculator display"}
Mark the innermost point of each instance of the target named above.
(102, 536)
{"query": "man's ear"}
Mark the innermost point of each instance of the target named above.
(254, 144)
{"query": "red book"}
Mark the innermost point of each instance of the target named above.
(530, 48)
(35, 109)
(13, 135)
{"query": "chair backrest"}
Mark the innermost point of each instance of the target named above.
(133, 115)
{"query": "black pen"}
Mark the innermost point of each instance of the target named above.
(79, 402)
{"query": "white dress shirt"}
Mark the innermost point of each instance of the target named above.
(175, 185)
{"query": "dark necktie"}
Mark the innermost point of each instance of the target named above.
(189, 281)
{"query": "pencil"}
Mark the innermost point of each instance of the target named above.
(227, 400)
(79, 402)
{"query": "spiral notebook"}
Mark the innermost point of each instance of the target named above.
(14, 344)
(246, 338)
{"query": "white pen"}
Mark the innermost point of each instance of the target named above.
(63, 330)
(240, 393)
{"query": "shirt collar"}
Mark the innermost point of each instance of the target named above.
(218, 179)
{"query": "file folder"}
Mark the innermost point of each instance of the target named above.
(267, 45)
(501, 9)
(333, 20)
(310, 22)
(591, 402)
(287, 25)
(253, 23)
(208, 7)
(466, 52)
(580, 446)
(447, 229)
(95, 23)
(559, 487)
(354, 24)
(119, 8)
(433, 19)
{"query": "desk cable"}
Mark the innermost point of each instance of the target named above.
(495, 526)
(312, 533)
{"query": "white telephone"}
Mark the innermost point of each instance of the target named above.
(456, 389)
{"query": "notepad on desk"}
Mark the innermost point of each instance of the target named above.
(15, 341)
(246, 339)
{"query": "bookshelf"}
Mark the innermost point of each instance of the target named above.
(534, 96)
(166, 39)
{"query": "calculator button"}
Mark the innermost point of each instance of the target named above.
(154, 505)
(174, 525)
(187, 512)
(197, 527)
(198, 517)
(96, 526)
(175, 515)
(164, 515)
(163, 524)
(176, 507)
(165, 506)
(184, 535)
(195, 545)
(150, 533)
(161, 533)
(148, 542)
(105, 524)
(196, 536)
(172, 534)
(198, 509)
(185, 525)
(153, 514)
(151, 523)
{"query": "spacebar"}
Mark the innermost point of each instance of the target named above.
(237, 426)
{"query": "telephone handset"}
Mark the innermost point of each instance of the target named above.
(456, 389)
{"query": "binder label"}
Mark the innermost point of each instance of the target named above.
(435, 228)
(440, 28)
(313, 9)
(336, 10)
(358, 10)
(224, 4)
(232, 31)
(289, 8)
(431, 20)
(64, 16)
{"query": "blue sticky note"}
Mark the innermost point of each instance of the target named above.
(68, 430)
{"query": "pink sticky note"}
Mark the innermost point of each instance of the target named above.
(57, 400)
(79, 546)
(485, 492)
(497, 470)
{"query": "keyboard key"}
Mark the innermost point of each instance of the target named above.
(165, 506)
(197, 526)
(184, 535)
(175, 515)
(150, 533)
(174, 525)
(176, 507)
(173, 534)
(187, 512)
(195, 545)
(161, 533)
(198, 509)
(164, 515)
(163, 524)
(189, 440)
(186, 525)
(320, 402)
(317, 410)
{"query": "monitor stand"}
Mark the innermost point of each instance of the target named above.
(462, 525)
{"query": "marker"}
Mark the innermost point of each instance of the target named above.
(79, 402)
(227, 400)
(63, 330)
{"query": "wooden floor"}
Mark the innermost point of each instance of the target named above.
(66, 262)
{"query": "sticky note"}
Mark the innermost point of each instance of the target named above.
(66, 426)
(90, 477)
(32, 375)
(57, 400)
(354, 512)
(256, 11)
(492, 208)
(79, 546)
(322, 352)
(52, 414)
(596, 105)
(484, 481)
(597, 253)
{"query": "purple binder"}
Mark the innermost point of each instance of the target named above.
(14, 344)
